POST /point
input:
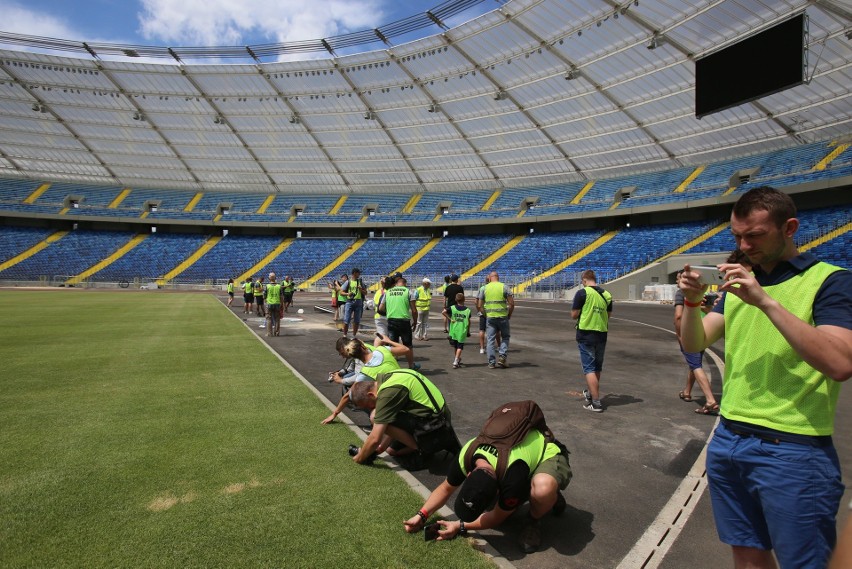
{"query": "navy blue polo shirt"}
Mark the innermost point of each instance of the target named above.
(833, 301)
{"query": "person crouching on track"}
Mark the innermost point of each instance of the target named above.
(404, 402)
(536, 469)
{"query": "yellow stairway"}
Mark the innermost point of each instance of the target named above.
(336, 263)
(490, 201)
(52, 238)
(191, 260)
(414, 258)
(119, 198)
(118, 254)
(827, 237)
(521, 287)
(582, 193)
(700, 239)
(194, 201)
(266, 203)
(335, 209)
(838, 150)
(36, 193)
(485, 263)
(689, 179)
(286, 242)
(412, 201)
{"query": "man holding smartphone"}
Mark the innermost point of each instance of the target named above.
(772, 469)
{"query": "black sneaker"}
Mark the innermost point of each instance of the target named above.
(587, 396)
(593, 406)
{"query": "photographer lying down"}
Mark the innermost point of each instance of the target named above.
(515, 458)
(410, 419)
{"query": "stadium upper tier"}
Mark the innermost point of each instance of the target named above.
(548, 260)
(535, 93)
(780, 168)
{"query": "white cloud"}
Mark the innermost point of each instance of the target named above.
(20, 20)
(241, 22)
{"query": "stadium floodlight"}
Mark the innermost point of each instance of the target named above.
(369, 116)
(294, 119)
(500, 95)
(433, 108)
(218, 120)
(571, 75)
(138, 117)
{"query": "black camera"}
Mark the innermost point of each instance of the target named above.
(354, 450)
(710, 298)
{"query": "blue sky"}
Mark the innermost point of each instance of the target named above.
(210, 22)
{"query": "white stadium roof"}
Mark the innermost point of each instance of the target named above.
(536, 92)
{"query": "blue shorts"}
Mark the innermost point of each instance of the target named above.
(592, 356)
(695, 360)
(353, 309)
(775, 495)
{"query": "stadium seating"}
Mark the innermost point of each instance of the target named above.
(68, 256)
(16, 240)
(784, 167)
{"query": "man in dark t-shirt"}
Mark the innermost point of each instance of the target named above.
(450, 292)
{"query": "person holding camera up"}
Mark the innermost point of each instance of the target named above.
(694, 362)
(772, 468)
(353, 291)
(514, 458)
(405, 406)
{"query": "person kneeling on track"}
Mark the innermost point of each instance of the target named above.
(514, 459)
(411, 421)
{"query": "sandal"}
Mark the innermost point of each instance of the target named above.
(708, 409)
(684, 397)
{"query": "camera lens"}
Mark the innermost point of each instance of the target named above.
(353, 450)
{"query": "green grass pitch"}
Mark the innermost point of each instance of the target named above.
(154, 430)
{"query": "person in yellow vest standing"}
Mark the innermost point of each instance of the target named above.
(423, 303)
(288, 287)
(354, 291)
(273, 307)
(401, 309)
(248, 296)
(259, 289)
(772, 469)
(230, 292)
(497, 303)
(591, 309)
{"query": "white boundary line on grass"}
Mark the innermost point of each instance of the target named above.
(480, 544)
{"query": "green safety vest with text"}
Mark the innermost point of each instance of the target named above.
(247, 287)
(397, 303)
(231, 288)
(594, 316)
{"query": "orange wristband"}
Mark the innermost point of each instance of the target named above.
(691, 304)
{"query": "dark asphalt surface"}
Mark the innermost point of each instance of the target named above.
(627, 461)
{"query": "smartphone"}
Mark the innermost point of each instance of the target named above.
(378, 335)
(710, 275)
(430, 532)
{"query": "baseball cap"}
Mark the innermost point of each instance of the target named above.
(476, 494)
(426, 280)
(454, 277)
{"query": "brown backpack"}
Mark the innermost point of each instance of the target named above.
(507, 426)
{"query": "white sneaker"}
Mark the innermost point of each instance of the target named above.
(481, 350)
(455, 363)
